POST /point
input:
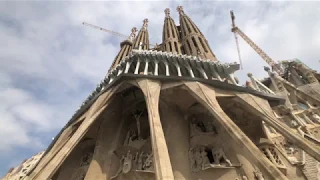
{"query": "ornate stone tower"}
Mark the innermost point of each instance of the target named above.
(167, 115)
(143, 36)
(193, 41)
(170, 35)
(126, 48)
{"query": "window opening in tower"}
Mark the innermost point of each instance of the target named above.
(189, 47)
(176, 47)
(188, 27)
(170, 46)
(168, 33)
(195, 43)
(202, 44)
(183, 24)
(182, 50)
(193, 26)
(172, 29)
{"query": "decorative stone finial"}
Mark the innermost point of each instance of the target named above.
(167, 12)
(133, 33)
(145, 23)
(180, 10)
(249, 74)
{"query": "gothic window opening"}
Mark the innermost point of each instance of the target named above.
(194, 43)
(202, 44)
(170, 46)
(172, 29)
(189, 47)
(183, 24)
(163, 32)
(168, 30)
(176, 47)
(193, 25)
(182, 50)
(188, 27)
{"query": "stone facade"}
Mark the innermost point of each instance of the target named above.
(178, 113)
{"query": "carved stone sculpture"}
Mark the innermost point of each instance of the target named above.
(294, 123)
(315, 117)
(205, 159)
(139, 165)
(258, 175)
(86, 159)
(199, 158)
(220, 157)
(127, 164)
(148, 164)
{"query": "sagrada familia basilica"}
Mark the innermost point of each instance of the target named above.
(175, 111)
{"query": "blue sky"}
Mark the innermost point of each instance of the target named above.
(50, 62)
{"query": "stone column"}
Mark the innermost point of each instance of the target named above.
(107, 142)
(151, 90)
(206, 96)
(262, 108)
(95, 110)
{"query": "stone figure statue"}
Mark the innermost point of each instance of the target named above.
(293, 123)
(192, 159)
(205, 159)
(86, 159)
(148, 164)
(258, 175)
(127, 164)
(140, 160)
(219, 156)
(198, 160)
(316, 117)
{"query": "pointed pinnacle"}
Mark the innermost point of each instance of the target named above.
(180, 10)
(167, 12)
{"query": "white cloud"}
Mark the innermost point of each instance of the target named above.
(50, 62)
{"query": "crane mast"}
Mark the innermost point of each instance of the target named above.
(236, 38)
(256, 48)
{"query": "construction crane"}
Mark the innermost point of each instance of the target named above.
(262, 54)
(108, 31)
(236, 38)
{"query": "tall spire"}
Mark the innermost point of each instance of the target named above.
(126, 47)
(193, 41)
(143, 37)
(170, 35)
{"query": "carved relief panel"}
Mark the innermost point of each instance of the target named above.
(139, 161)
(202, 158)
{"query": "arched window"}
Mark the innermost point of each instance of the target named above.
(176, 47)
(202, 44)
(172, 29)
(168, 30)
(170, 46)
(189, 47)
(194, 43)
